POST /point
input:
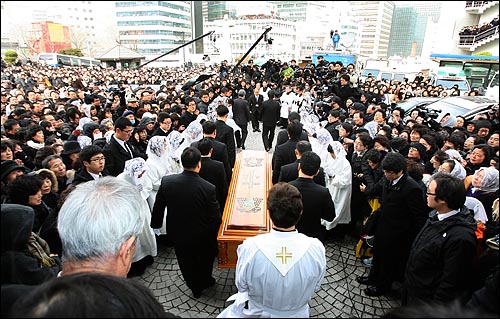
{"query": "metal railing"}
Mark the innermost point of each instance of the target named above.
(473, 39)
(475, 4)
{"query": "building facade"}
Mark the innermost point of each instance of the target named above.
(152, 28)
(375, 20)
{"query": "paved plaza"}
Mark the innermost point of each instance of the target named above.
(340, 295)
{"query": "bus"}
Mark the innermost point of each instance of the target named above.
(479, 69)
(448, 77)
(57, 59)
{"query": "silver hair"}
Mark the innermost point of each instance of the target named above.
(97, 217)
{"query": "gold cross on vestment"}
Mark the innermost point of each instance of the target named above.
(283, 255)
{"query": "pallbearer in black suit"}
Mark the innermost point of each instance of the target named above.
(213, 170)
(241, 116)
(225, 133)
(317, 201)
(285, 153)
(269, 115)
(219, 152)
(290, 172)
(193, 220)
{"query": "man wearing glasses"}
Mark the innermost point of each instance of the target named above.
(118, 150)
(401, 216)
(164, 125)
(442, 265)
(93, 161)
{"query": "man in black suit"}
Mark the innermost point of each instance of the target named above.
(118, 150)
(225, 133)
(283, 134)
(219, 152)
(189, 115)
(255, 100)
(193, 220)
(164, 125)
(269, 115)
(317, 201)
(213, 170)
(285, 153)
(290, 172)
(241, 116)
(403, 213)
(93, 161)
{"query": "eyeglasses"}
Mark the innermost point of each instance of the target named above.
(433, 194)
(98, 159)
(127, 131)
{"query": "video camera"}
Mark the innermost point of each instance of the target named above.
(430, 116)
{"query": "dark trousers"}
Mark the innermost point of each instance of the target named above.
(241, 137)
(255, 119)
(268, 136)
(196, 261)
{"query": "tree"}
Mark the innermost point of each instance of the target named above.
(483, 54)
(74, 52)
(10, 56)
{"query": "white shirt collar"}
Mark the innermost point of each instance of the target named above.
(395, 181)
(448, 214)
(94, 176)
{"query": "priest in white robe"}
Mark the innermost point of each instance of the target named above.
(277, 273)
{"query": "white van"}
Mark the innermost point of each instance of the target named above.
(492, 89)
(448, 77)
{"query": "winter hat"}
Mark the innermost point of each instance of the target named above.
(127, 112)
(9, 166)
(71, 147)
(420, 148)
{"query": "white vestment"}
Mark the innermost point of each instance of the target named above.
(146, 240)
(276, 275)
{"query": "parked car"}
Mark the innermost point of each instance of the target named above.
(467, 106)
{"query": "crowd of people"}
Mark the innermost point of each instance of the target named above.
(78, 142)
(468, 32)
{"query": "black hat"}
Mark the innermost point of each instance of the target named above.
(9, 166)
(71, 147)
(358, 106)
(420, 148)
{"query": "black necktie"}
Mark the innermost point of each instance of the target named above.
(128, 150)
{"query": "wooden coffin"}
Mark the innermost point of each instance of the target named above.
(245, 213)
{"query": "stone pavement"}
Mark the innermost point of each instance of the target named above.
(340, 295)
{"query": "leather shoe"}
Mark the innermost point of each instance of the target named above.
(374, 291)
(242, 147)
(364, 280)
(196, 294)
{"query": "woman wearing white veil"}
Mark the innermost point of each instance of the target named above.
(134, 172)
(157, 166)
(170, 164)
(338, 181)
(320, 143)
(174, 151)
(193, 133)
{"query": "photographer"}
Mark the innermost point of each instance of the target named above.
(344, 90)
